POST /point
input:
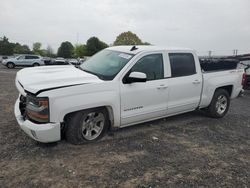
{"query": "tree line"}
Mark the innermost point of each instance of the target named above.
(67, 49)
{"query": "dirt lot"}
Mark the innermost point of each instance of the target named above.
(189, 150)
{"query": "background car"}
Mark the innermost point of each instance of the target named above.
(245, 64)
(2, 58)
(75, 62)
(23, 60)
(61, 62)
(57, 61)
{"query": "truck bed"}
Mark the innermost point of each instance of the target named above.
(215, 79)
(208, 65)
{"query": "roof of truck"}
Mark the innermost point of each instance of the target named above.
(140, 48)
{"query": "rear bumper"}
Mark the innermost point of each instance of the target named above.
(49, 132)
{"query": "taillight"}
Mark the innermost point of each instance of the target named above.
(244, 79)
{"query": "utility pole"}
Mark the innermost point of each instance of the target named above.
(209, 53)
(235, 52)
(77, 38)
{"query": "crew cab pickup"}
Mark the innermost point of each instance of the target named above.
(118, 87)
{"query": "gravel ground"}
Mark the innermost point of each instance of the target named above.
(188, 150)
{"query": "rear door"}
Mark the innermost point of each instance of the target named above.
(185, 83)
(28, 60)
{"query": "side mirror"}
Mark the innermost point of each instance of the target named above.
(136, 77)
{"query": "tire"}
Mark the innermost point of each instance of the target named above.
(36, 65)
(219, 104)
(86, 126)
(10, 65)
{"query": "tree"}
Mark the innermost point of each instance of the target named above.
(49, 51)
(80, 50)
(37, 48)
(66, 50)
(146, 43)
(128, 38)
(26, 49)
(94, 45)
(6, 48)
(21, 49)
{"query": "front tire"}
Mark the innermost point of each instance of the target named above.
(10, 65)
(87, 126)
(220, 104)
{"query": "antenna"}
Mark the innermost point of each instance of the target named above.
(133, 48)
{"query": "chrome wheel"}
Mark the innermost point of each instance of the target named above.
(221, 104)
(92, 125)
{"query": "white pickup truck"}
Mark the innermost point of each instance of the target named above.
(118, 87)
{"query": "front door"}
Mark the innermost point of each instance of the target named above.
(20, 61)
(146, 100)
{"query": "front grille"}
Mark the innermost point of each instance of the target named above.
(22, 106)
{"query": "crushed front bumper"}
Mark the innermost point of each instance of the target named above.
(48, 132)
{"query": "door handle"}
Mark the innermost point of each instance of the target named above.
(162, 87)
(196, 82)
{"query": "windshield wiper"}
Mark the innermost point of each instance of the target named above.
(98, 75)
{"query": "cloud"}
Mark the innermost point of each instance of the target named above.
(217, 25)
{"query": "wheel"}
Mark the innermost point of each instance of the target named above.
(36, 65)
(10, 65)
(219, 104)
(86, 126)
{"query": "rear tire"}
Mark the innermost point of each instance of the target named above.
(87, 126)
(10, 65)
(219, 104)
(36, 65)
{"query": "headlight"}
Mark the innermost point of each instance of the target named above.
(37, 108)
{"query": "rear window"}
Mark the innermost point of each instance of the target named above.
(182, 64)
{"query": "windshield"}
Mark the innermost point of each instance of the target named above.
(106, 64)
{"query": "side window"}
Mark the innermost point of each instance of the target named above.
(31, 57)
(151, 65)
(182, 64)
(28, 57)
(21, 57)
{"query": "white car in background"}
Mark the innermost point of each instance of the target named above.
(23, 61)
(2, 58)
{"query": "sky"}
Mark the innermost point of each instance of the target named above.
(217, 25)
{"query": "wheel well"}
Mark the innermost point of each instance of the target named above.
(10, 62)
(107, 108)
(228, 88)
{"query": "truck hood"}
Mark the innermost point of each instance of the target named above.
(38, 79)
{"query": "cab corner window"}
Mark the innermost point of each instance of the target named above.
(151, 65)
(182, 64)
